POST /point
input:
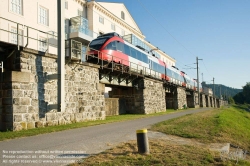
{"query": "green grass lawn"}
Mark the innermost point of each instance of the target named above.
(109, 119)
(230, 125)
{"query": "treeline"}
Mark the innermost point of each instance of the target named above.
(222, 91)
(244, 96)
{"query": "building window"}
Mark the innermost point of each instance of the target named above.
(66, 5)
(13, 36)
(101, 19)
(42, 44)
(79, 12)
(43, 16)
(16, 6)
(122, 15)
(113, 27)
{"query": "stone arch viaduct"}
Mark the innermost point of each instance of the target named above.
(28, 92)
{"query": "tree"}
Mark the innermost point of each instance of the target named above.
(246, 92)
(244, 96)
(239, 98)
(231, 100)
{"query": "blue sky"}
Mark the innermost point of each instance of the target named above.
(217, 31)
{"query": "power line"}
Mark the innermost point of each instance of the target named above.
(206, 68)
(165, 28)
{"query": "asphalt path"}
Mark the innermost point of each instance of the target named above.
(61, 148)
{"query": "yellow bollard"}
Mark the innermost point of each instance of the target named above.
(142, 141)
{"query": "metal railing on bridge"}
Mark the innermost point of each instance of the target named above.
(15, 33)
(118, 64)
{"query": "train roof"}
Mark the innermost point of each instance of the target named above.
(111, 34)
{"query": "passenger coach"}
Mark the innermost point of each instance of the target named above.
(111, 47)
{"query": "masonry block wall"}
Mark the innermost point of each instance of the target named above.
(196, 103)
(170, 101)
(29, 96)
(192, 100)
(207, 101)
(154, 96)
(215, 102)
(149, 98)
(181, 98)
(212, 101)
(203, 100)
(130, 99)
(112, 106)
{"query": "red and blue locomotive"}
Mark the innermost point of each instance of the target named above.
(112, 47)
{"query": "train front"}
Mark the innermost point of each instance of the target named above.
(95, 48)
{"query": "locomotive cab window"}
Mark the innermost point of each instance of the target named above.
(97, 44)
(111, 46)
(120, 46)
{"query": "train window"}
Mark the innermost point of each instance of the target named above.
(97, 44)
(169, 72)
(133, 53)
(139, 57)
(162, 69)
(120, 46)
(144, 58)
(181, 78)
(111, 46)
(155, 66)
(126, 49)
(152, 65)
(177, 76)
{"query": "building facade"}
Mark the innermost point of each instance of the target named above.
(84, 21)
(28, 50)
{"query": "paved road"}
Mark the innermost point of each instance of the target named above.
(60, 148)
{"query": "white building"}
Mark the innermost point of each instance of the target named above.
(36, 23)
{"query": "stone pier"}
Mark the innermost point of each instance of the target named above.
(211, 101)
(147, 98)
(29, 94)
(203, 100)
(215, 103)
(192, 100)
(208, 104)
(180, 98)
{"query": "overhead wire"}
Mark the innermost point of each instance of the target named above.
(165, 29)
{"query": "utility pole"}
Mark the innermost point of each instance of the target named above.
(198, 83)
(61, 56)
(214, 87)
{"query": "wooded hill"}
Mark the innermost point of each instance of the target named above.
(222, 90)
